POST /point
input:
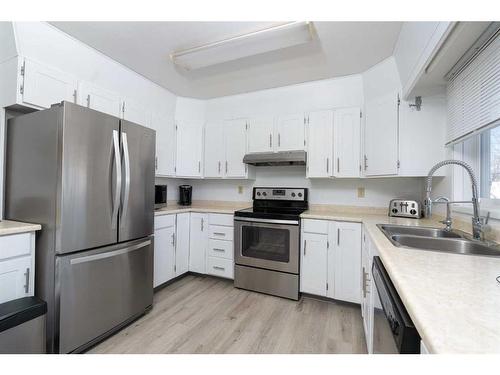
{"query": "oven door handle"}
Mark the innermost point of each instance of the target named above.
(270, 221)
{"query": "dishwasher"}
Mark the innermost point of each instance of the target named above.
(393, 329)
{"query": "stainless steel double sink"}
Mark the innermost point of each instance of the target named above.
(436, 239)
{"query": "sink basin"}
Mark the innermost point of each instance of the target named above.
(436, 239)
(390, 230)
(449, 245)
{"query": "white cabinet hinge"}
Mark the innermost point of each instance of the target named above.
(23, 68)
(398, 164)
(399, 100)
(21, 89)
(360, 114)
(326, 286)
(327, 244)
(305, 120)
(304, 142)
(123, 108)
(176, 127)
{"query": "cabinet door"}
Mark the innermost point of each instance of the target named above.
(313, 277)
(260, 135)
(43, 86)
(137, 113)
(182, 243)
(320, 144)
(100, 99)
(214, 162)
(164, 125)
(347, 142)
(15, 277)
(290, 133)
(198, 240)
(381, 136)
(189, 149)
(344, 261)
(164, 256)
(366, 292)
(235, 140)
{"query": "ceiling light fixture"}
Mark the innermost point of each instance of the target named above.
(270, 39)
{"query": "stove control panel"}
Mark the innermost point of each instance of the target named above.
(288, 194)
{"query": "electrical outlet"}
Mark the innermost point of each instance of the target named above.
(361, 192)
(240, 189)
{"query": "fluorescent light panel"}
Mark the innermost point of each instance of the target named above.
(270, 39)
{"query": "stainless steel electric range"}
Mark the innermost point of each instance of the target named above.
(267, 241)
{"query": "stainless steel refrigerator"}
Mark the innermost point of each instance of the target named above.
(88, 178)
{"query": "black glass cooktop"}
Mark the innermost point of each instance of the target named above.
(271, 213)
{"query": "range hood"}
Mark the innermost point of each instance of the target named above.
(276, 158)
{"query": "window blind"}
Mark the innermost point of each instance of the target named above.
(474, 95)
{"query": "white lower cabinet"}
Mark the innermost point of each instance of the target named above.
(366, 291)
(330, 259)
(17, 266)
(171, 250)
(182, 243)
(220, 246)
(198, 242)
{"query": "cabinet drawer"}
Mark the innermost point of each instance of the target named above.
(220, 267)
(15, 245)
(221, 219)
(218, 232)
(220, 248)
(315, 226)
(164, 221)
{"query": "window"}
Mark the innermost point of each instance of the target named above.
(490, 164)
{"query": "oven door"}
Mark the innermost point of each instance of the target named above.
(266, 243)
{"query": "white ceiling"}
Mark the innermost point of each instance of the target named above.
(342, 48)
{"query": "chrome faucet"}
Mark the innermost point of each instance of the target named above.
(477, 221)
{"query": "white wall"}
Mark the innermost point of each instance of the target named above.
(378, 192)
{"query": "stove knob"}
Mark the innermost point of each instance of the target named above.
(264, 194)
(394, 210)
(293, 195)
(413, 212)
(300, 194)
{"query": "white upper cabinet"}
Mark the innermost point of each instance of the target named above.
(381, 135)
(100, 99)
(215, 155)
(289, 132)
(164, 125)
(235, 133)
(136, 112)
(189, 149)
(260, 135)
(320, 144)
(347, 142)
(43, 86)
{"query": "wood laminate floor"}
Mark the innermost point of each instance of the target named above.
(200, 314)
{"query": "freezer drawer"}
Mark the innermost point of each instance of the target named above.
(100, 290)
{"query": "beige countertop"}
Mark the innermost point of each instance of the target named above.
(14, 227)
(219, 207)
(453, 299)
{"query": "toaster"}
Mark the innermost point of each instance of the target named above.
(405, 208)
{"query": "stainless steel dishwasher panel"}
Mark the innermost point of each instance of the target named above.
(100, 290)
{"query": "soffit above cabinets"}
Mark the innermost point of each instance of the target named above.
(339, 49)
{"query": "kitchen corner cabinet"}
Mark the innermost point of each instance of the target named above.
(347, 142)
(198, 242)
(17, 266)
(319, 144)
(182, 225)
(381, 136)
(100, 99)
(164, 125)
(189, 141)
(331, 259)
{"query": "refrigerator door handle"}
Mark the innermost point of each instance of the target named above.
(126, 162)
(118, 186)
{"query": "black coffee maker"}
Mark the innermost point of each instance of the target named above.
(185, 193)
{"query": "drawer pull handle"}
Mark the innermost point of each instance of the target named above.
(221, 250)
(219, 233)
(27, 276)
(219, 268)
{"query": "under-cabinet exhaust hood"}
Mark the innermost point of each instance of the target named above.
(276, 158)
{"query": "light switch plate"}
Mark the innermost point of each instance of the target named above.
(361, 192)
